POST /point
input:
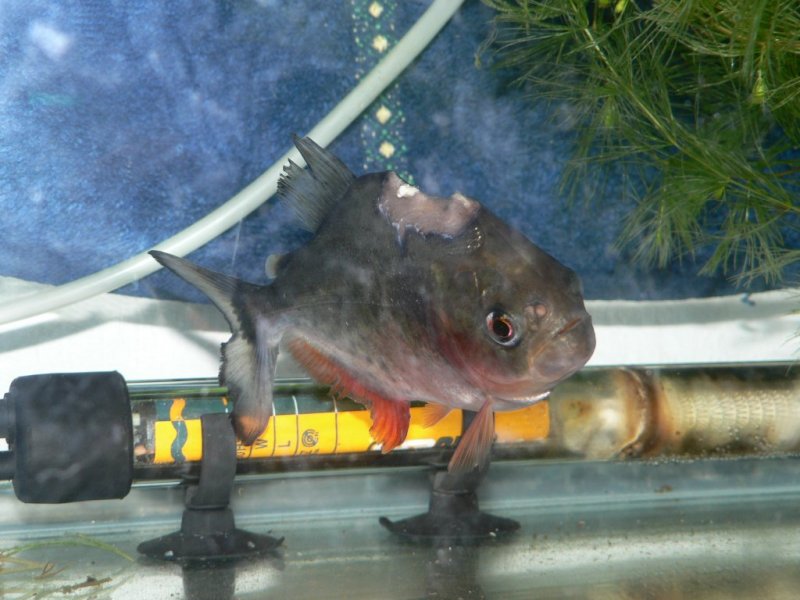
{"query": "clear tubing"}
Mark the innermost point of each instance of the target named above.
(252, 196)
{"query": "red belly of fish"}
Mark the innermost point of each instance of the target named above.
(390, 416)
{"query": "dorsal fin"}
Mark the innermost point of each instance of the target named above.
(313, 191)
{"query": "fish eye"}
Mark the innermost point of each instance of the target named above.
(502, 329)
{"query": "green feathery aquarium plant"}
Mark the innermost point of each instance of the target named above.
(22, 576)
(696, 101)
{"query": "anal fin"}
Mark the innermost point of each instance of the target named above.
(475, 446)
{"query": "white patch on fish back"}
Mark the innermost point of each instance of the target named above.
(406, 207)
(406, 190)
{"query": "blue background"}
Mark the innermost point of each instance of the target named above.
(121, 123)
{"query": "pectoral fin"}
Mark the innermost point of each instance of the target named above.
(475, 446)
(433, 413)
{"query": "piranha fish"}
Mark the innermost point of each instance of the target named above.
(399, 296)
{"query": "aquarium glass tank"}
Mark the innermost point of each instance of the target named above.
(383, 299)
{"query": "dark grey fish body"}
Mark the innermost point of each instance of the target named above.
(401, 296)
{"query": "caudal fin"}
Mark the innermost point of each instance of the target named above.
(248, 358)
(219, 288)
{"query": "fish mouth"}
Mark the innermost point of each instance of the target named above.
(569, 348)
(519, 392)
(516, 402)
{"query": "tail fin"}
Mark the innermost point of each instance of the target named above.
(219, 288)
(248, 358)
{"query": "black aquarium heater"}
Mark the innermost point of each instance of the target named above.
(70, 437)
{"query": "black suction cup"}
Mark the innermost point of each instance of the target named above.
(453, 515)
(208, 532)
(207, 536)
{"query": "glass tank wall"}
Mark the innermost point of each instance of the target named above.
(664, 467)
